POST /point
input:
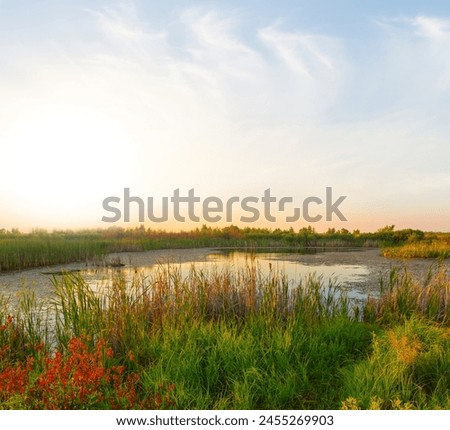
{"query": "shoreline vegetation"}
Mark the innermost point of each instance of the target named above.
(20, 251)
(228, 340)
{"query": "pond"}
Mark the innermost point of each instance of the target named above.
(357, 271)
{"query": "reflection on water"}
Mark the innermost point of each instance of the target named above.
(346, 275)
(294, 270)
(357, 271)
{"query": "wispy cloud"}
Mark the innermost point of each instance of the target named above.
(223, 109)
(437, 29)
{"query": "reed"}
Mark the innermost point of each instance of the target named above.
(425, 249)
(27, 251)
(403, 296)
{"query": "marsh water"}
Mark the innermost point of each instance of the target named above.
(357, 271)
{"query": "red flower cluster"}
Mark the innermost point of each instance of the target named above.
(8, 323)
(78, 379)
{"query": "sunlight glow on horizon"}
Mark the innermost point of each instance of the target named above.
(62, 155)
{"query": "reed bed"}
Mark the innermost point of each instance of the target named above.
(402, 296)
(227, 340)
(421, 249)
(145, 306)
(24, 252)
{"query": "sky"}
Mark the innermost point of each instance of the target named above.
(228, 99)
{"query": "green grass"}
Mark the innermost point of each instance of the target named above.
(24, 252)
(408, 368)
(229, 340)
(421, 249)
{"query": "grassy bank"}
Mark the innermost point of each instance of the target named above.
(228, 340)
(422, 249)
(417, 244)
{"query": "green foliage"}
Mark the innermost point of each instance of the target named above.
(419, 249)
(408, 368)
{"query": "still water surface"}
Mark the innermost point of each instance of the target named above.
(357, 271)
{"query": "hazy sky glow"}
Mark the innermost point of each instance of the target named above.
(228, 98)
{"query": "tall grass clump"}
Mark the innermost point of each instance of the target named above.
(126, 309)
(21, 332)
(27, 251)
(402, 296)
(420, 249)
(409, 368)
